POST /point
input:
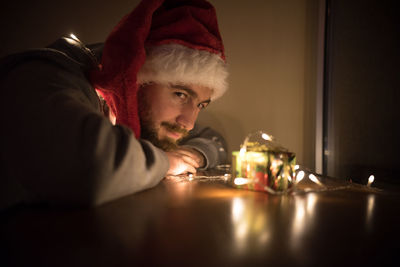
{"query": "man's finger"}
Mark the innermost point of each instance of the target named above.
(191, 169)
(191, 161)
(186, 152)
(196, 155)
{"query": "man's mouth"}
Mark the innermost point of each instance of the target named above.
(174, 135)
(173, 131)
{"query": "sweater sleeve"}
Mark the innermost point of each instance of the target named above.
(59, 149)
(208, 142)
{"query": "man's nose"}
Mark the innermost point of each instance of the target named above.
(188, 116)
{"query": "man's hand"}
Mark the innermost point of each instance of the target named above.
(184, 160)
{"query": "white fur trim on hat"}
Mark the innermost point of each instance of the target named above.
(178, 64)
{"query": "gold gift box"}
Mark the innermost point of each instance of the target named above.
(263, 169)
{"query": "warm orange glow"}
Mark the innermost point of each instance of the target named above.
(242, 152)
(370, 180)
(300, 176)
(370, 209)
(73, 36)
(266, 137)
(314, 179)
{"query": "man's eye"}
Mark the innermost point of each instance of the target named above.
(181, 95)
(202, 106)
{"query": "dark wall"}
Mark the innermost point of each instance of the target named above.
(362, 90)
(31, 24)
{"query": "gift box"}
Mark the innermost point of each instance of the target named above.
(263, 165)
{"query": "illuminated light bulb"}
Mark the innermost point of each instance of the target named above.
(241, 181)
(226, 176)
(242, 151)
(266, 137)
(73, 36)
(314, 178)
(370, 180)
(300, 176)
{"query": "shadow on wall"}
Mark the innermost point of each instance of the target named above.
(227, 125)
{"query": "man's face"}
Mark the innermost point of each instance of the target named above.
(168, 112)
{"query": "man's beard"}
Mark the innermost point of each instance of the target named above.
(150, 132)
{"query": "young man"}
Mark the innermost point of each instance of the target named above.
(161, 65)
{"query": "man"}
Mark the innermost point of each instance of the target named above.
(161, 65)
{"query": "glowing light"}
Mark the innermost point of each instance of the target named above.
(296, 167)
(299, 218)
(314, 178)
(241, 231)
(371, 204)
(242, 152)
(370, 209)
(226, 176)
(240, 223)
(311, 201)
(241, 181)
(266, 137)
(190, 177)
(370, 180)
(237, 209)
(73, 36)
(300, 176)
(275, 163)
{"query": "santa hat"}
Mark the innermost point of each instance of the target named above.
(167, 42)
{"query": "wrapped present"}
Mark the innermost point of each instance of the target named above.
(263, 165)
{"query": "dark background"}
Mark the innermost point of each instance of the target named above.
(362, 90)
(31, 24)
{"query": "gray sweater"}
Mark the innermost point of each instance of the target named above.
(57, 147)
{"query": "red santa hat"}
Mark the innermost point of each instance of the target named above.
(162, 41)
